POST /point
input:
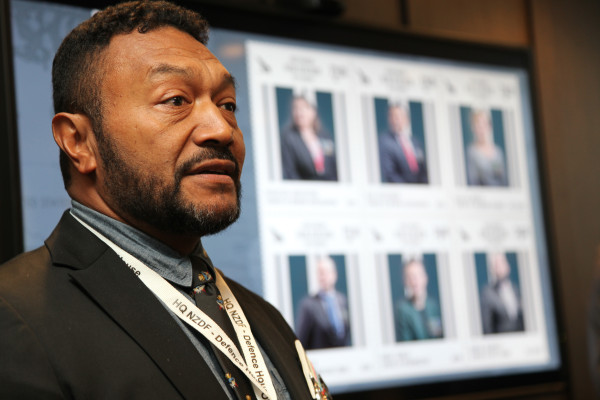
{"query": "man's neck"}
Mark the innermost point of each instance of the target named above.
(156, 254)
(183, 244)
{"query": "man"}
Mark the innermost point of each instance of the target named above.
(500, 300)
(323, 319)
(418, 316)
(401, 156)
(151, 156)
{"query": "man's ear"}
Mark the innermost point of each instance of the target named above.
(74, 135)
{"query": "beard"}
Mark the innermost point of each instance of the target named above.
(153, 200)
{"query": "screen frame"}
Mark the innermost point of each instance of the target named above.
(285, 23)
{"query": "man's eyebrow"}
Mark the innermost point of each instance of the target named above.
(230, 79)
(170, 69)
(227, 81)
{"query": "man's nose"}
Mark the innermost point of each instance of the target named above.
(211, 126)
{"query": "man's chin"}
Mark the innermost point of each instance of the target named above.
(211, 220)
(202, 214)
(221, 207)
(213, 226)
(209, 186)
(217, 198)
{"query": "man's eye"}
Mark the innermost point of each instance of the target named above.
(175, 101)
(229, 106)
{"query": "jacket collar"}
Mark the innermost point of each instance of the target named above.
(103, 276)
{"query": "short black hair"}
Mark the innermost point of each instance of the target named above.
(78, 66)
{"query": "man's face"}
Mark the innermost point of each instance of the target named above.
(415, 278)
(327, 274)
(500, 266)
(397, 119)
(171, 151)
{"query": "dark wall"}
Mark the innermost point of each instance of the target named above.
(10, 199)
(566, 49)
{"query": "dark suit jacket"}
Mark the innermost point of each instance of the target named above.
(297, 162)
(394, 167)
(76, 323)
(494, 315)
(313, 327)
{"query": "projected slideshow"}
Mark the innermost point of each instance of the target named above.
(398, 228)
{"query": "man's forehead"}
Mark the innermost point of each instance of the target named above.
(397, 110)
(414, 265)
(158, 46)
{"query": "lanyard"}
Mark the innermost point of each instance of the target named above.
(254, 367)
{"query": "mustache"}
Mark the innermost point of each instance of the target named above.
(208, 153)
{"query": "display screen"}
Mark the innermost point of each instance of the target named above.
(391, 203)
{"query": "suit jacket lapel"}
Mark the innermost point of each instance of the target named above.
(107, 279)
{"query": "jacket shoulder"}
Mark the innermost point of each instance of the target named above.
(23, 267)
(25, 371)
